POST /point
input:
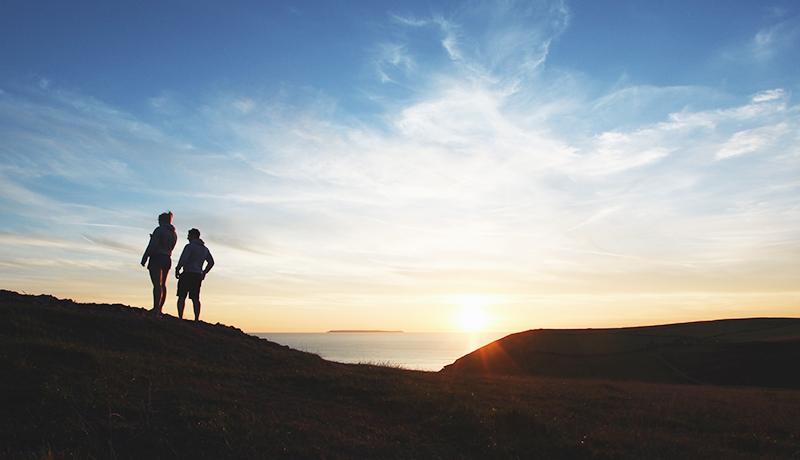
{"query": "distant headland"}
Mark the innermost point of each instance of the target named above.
(363, 330)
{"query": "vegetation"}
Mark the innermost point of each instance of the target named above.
(110, 381)
(754, 352)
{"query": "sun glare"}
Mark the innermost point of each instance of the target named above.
(472, 319)
(472, 316)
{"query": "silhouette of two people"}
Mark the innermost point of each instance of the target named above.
(194, 255)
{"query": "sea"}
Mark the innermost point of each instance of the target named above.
(416, 351)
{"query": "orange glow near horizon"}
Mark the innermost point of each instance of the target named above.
(258, 308)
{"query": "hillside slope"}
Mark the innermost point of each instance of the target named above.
(94, 381)
(754, 352)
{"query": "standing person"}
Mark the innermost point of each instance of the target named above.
(159, 251)
(192, 258)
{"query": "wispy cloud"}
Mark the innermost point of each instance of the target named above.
(753, 140)
(769, 43)
(489, 173)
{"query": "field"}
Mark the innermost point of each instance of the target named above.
(110, 381)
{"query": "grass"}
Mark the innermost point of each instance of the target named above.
(109, 381)
(753, 352)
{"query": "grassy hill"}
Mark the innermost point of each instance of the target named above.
(93, 381)
(753, 352)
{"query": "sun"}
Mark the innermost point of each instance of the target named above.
(472, 319)
(472, 315)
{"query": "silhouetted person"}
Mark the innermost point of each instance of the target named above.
(159, 251)
(192, 258)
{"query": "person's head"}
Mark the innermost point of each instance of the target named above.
(165, 218)
(194, 234)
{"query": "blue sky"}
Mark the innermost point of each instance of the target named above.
(385, 165)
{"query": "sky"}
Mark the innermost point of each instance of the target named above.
(433, 166)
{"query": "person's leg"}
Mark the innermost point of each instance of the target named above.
(194, 293)
(164, 273)
(181, 305)
(196, 305)
(159, 287)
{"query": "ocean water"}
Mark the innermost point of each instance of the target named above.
(416, 351)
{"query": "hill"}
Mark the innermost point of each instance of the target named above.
(93, 381)
(754, 352)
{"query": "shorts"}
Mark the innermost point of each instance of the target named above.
(162, 261)
(189, 283)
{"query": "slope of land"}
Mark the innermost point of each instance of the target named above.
(754, 352)
(93, 381)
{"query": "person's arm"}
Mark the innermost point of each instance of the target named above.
(149, 249)
(172, 239)
(209, 263)
(182, 261)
